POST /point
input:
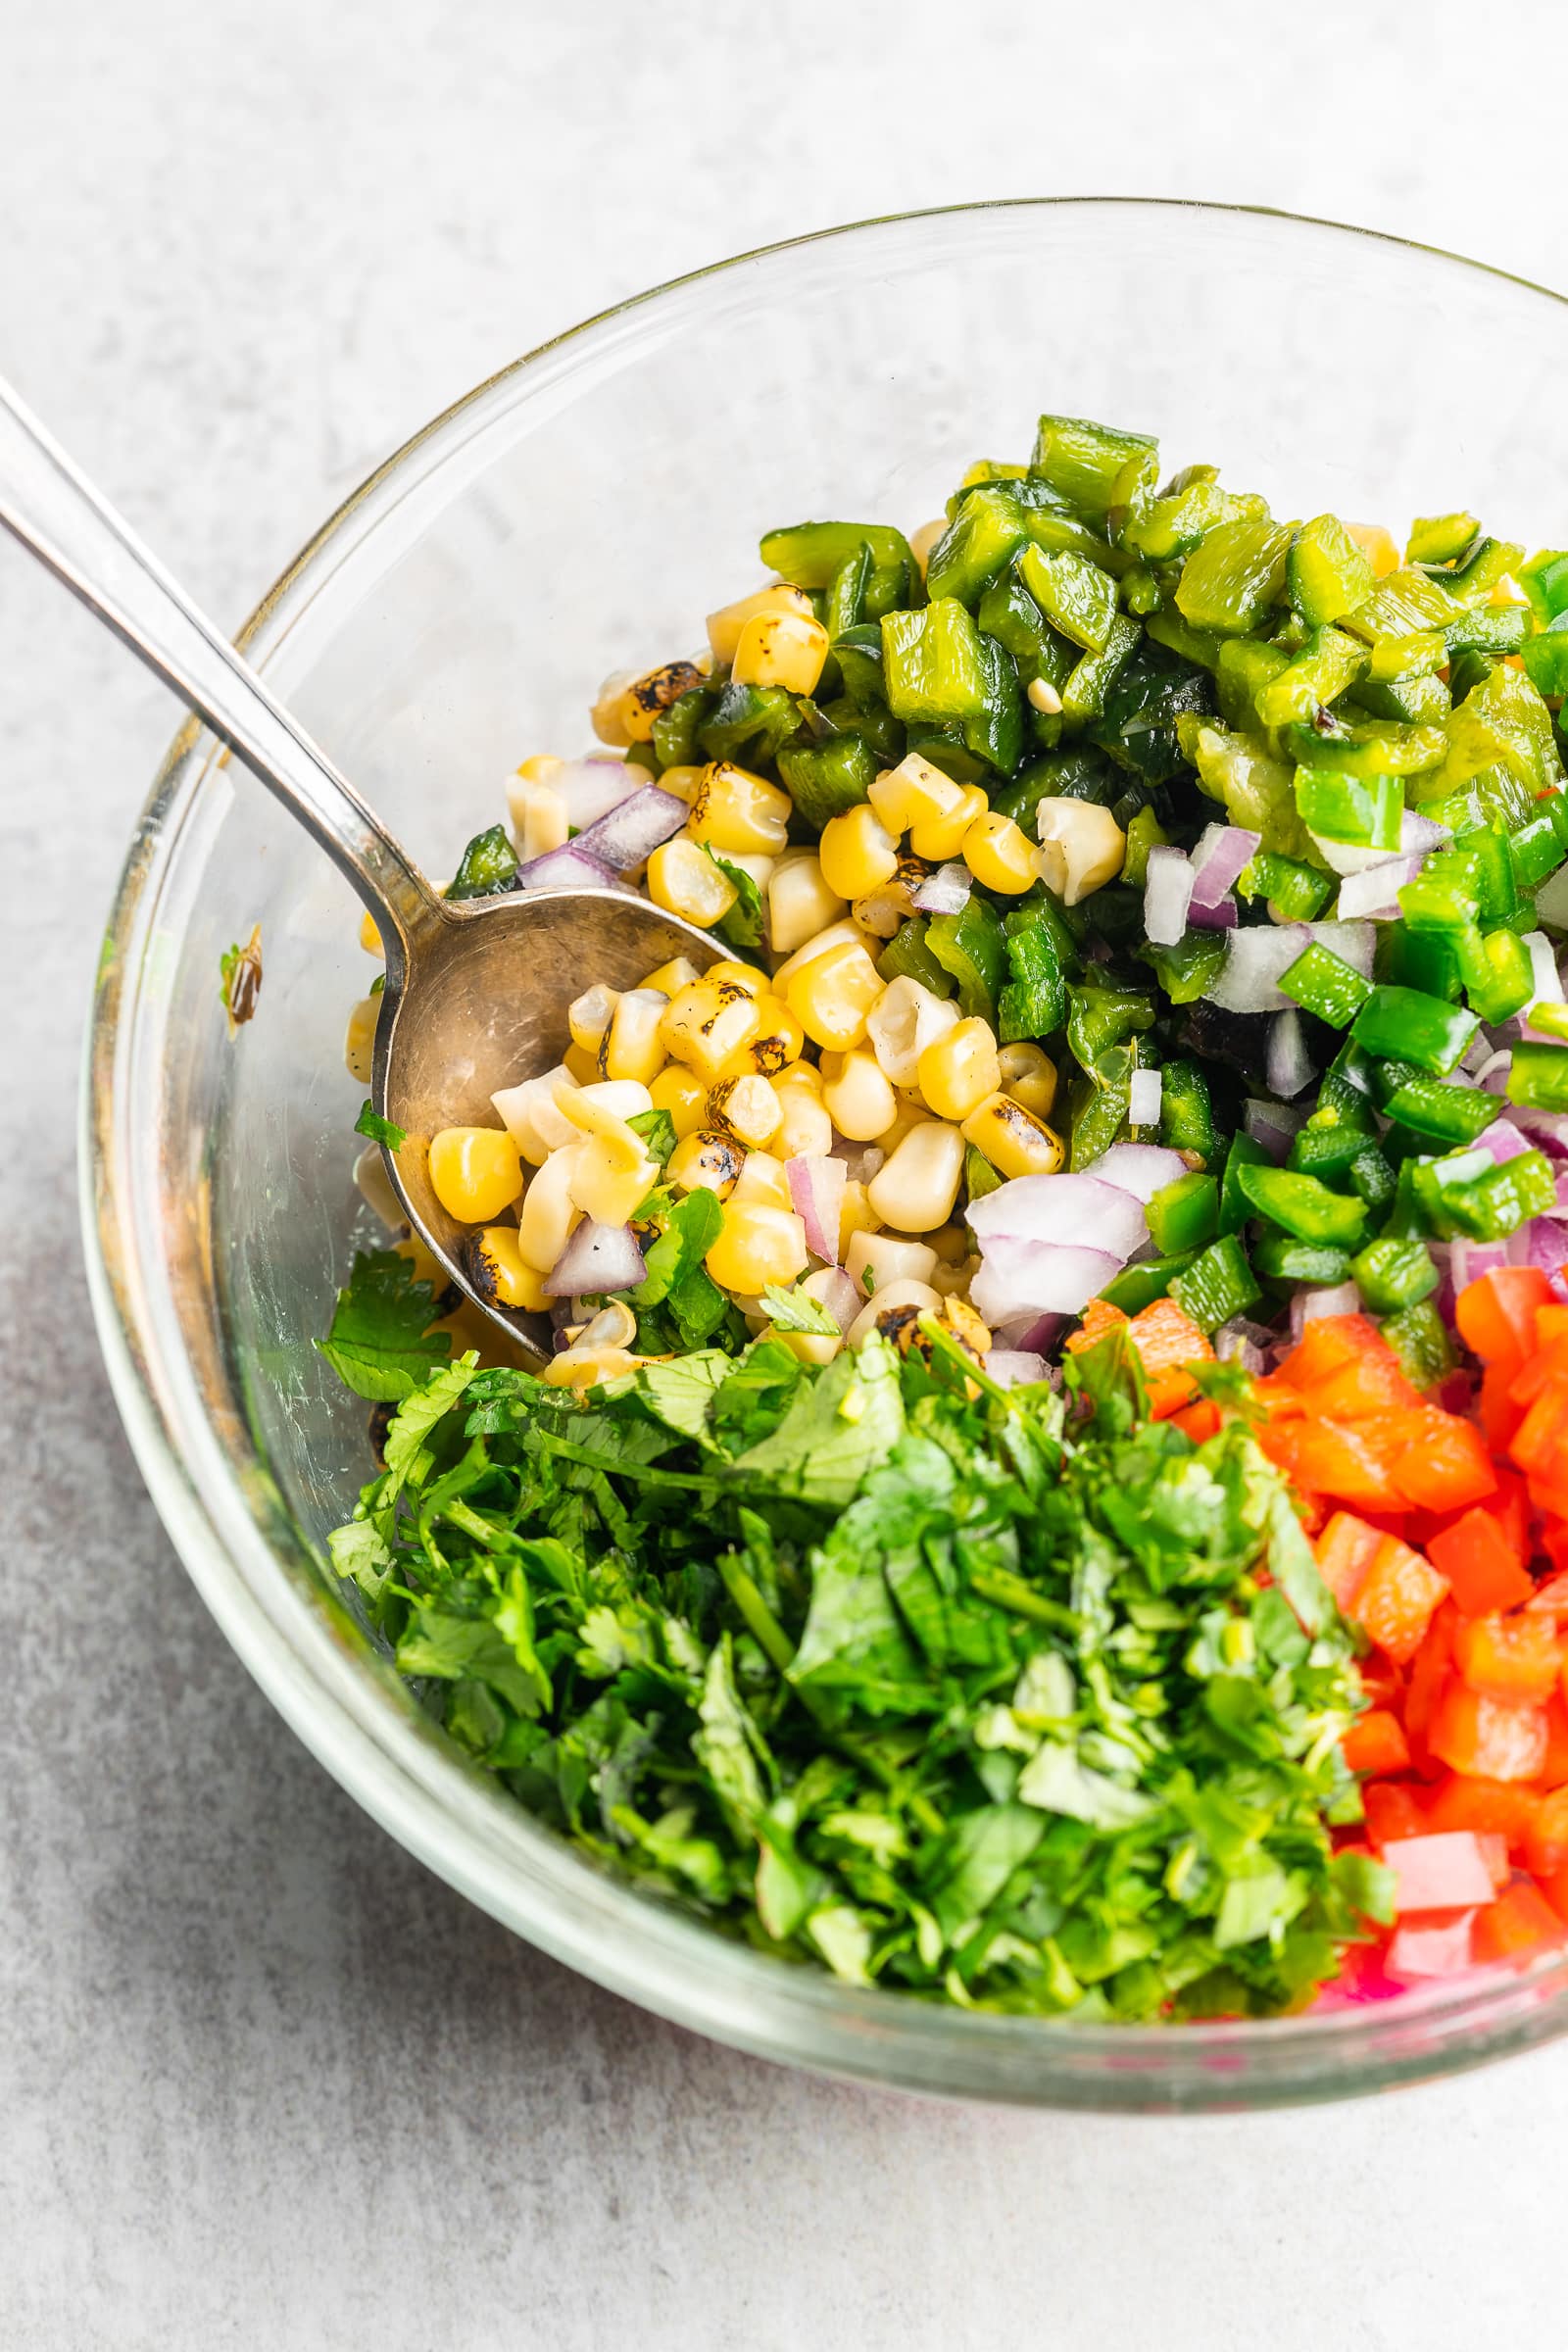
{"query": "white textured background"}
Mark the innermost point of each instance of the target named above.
(262, 2082)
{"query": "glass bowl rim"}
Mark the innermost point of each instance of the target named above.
(450, 1814)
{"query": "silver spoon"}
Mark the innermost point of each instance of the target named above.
(477, 992)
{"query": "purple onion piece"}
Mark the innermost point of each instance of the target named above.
(597, 1259)
(1221, 856)
(1016, 1367)
(1337, 1298)
(1374, 893)
(1052, 1277)
(1274, 1125)
(630, 832)
(1138, 1168)
(816, 1183)
(1167, 895)
(568, 868)
(1222, 917)
(1082, 1211)
(1290, 1065)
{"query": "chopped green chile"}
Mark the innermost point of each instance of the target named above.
(1444, 1114)
(1092, 678)
(1075, 596)
(1323, 983)
(1185, 1215)
(972, 946)
(1218, 1283)
(1327, 663)
(1233, 576)
(1393, 1272)
(1415, 1028)
(1369, 747)
(825, 779)
(1033, 1000)
(1363, 813)
(1186, 1113)
(1295, 893)
(1439, 538)
(1082, 461)
(808, 554)
(1139, 1286)
(1538, 1076)
(1305, 1206)
(1469, 1194)
(906, 956)
(933, 662)
(1325, 573)
(1420, 1340)
(1235, 1205)
(1500, 979)
(488, 866)
(1282, 1259)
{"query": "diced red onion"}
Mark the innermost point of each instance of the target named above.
(1477, 1054)
(1167, 894)
(1469, 1260)
(1015, 1367)
(1254, 961)
(1551, 900)
(1333, 1298)
(946, 891)
(1221, 855)
(1138, 1168)
(1354, 944)
(1234, 1344)
(1547, 1128)
(1033, 1333)
(1492, 1075)
(598, 1258)
(1374, 893)
(1081, 1210)
(568, 868)
(1222, 917)
(630, 832)
(1290, 1065)
(817, 1182)
(1144, 1093)
(1543, 1242)
(593, 786)
(1272, 1124)
(1053, 1277)
(1501, 1141)
(1420, 834)
(842, 1298)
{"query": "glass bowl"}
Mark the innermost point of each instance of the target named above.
(581, 511)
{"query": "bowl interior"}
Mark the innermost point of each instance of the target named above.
(579, 514)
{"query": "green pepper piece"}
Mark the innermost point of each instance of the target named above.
(1538, 1076)
(1325, 573)
(1392, 1272)
(1447, 1114)
(676, 728)
(1484, 565)
(1403, 604)
(1218, 1285)
(997, 735)
(1137, 1287)
(1074, 775)
(907, 956)
(1402, 1024)
(1494, 630)
(979, 1176)
(1235, 1209)
(847, 592)
(1295, 893)
(1033, 1002)
(1092, 677)
(1101, 1017)
(808, 554)
(1375, 748)
(1501, 723)
(1372, 1177)
(748, 723)
(1100, 1104)
(823, 779)
(1420, 1340)
(978, 545)
(1233, 576)
(1479, 865)
(1469, 1193)
(1284, 1260)
(1258, 790)
(859, 654)
(1545, 581)
(1188, 970)
(1439, 538)
(1173, 526)
(1545, 658)
(1361, 813)
(1009, 614)
(1421, 700)
(1343, 1100)
(1075, 596)
(1186, 1113)
(1501, 980)
(972, 946)
(1184, 1214)
(1305, 1206)
(1329, 1150)
(1417, 653)
(1328, 662)
(1536, 850)
(933, 662)
(1323, 983)
(487, 867)
(943, 744)
(1165, 626)
(1081, 461)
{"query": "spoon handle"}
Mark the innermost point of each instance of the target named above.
(55, 511)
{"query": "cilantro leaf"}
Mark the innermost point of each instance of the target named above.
(795, 1311)
(742, 927)
(380, 1131)
(835, 1430)
(658, 1131)
(380, 1342)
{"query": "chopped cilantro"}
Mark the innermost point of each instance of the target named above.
(380, 1342)
(795, 1311)
(380, 1131)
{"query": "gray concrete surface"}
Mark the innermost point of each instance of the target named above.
(262, 2081)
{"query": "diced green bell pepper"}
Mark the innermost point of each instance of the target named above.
(1481, 569)
(1499, 981)
(906, 956)
(1145, 833)
(1328, 662)
(1372, 1177)
(1139, 1286)
(1305, 1206)
(972, 946)
(1009, 614)
(847, 592)
(1188, 970)
(1419, 1338)
(1374, 747)
(1081, 461)
(1033, 1002)
(1233, 576)
(1545, 658)
(808, 554)
(1321, 982)
(1185, 1113)
(1295, 892)
(1184, 1214)
(1469, 1193)
(1325, 573)
(1447, 1114)
(1411, 1027)
(1439, 538)
(1284, 1259)
(1329, 1150)
(978, 544)
(1171, 526)
(1218, 1285)
(1234, 1208)
(1538, 1076)
(1363, 813)
(1422, 700)
(1092, 677)
(979, 1176)
(748, 723)
(1075, 596)
(1391, 1273)
(1403, 604)
(825, 779)
(1545, 581)
(933, 662)
(859, 654)
(1536, 850)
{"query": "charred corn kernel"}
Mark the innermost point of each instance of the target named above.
(725, 625)
(914, 792)
(632, 1046)
(709, 1023)
(1375, 545)
(746, 1108)
(917, 1184)
(886, 1258)
(780, 649)
(1080, 848)
(856, 1216)
(956, 1071)
(682, 1094)
(609, 713)
(671, 977)
(376, 1186)
(800, 1073)
(858, 852)
(804, 1130)
(681, 781)
(972, 1329)
(832, 997)
(763, 1180)
(369, 935)
(951, 1244)
(737, 974)
(581, 1065)
(539, 816)
(609, 1184)
(476, 1172)
(358, 1038)
(857, 1094)
(530, 1117)
(603, 1107)
(685, 881)
(549, 1213)
(843, 933)
(1012, 1139)
(705, 1161)
(923, 540)
(799, 902)
(907, 1019)
(939, 838)
(1029, 1076)
(653, 691)
(1000, 856)
(884, 909)
(1041, 696)
(589, 1016)
(588, 1368)
(895, 1301)
(733, 809)
(760, 1245)
(500, 1272)
(777, 1045)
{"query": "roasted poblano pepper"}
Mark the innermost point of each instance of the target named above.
(810, 554)
(934, 663)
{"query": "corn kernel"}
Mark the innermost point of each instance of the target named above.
(833, 996)
(589, 1016)
(857, 851)
(589, 1370)
(671, 977)
(884, 910)
(952, 1280)
(609, 716)
(1080, 848)
(951, 1244)
(758, 863)
(901, 1294)
(746, 1108)
(908, 1116)
(799, 903)
(804, 1130)
(725, 625)
(530, 1117)
(684, 881)
(914, 792)
(859, 1095)
(604, 1109)
(705, 1161)
(632, 1046)
(887, 1258)
(500, 1272)
(1000, 856)
(1015, 1143)
(941, 837)
(682, 1094)
(737, 974)
(579, 1063)
(539, 816)
(646, 696)
(370, 935)
(541, 768)
(960, 1318)
(922, 541)
(777, 1045)
(843, 933)
(958, 1070)
(909, 1017)
(709, 1023)
(1375, 545)
(758, 1245)
(917, 1184)
(857, 1216)
(780, 649)
(733, 809)
(763, 1179)
(358, 1038)
(608, 1183)
(681, 781)
(1029, 1076)
(476, 1172)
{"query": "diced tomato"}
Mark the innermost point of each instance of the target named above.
(1346, 1550)
(1485, 1737)
(1432, 1947)
(1519, 1922)
(1398, 1594)
(1376, 1742)
(1496, 1313)
(1546, 1846)
(1197, 1421)
(1328, 1342)
(1491, 1808)
(1163, 1335)
(1329, 1457)
(1440, 1871)
(1484, 1570)
(1539, 1444)
(1444, 1464)
(1392, 1811)
(1371, 1381)
(1514, 1659)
